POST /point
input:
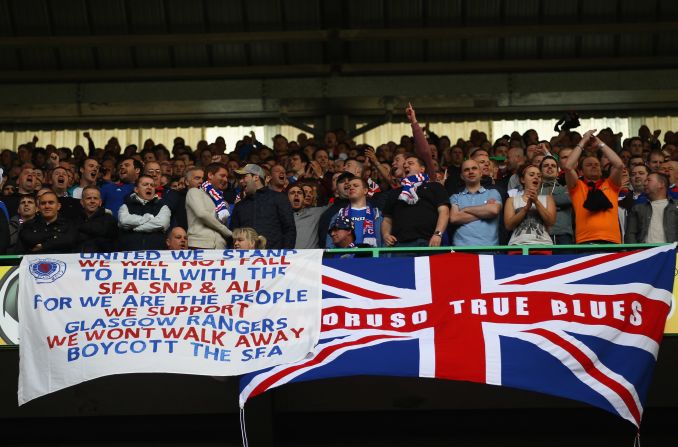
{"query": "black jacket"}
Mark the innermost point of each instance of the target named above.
(58, 237)
(97, 233)
(270, 214)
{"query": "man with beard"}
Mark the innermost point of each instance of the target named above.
(263, 209)
(48, 232)
(143, 218)
(207, 211)
(97, 229)
(113, 195)
(306, 219)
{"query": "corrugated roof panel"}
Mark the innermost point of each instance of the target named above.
(634, 10)
(305, 53)
(444, 50)
(266, 53)
(147, 17)
(443, 12)
(228, 54)
(554, 47)
(403, 13)
(115, 57)
(39, 59)
(365, 14)
(483, 12)
(479, 49)
(522, 47)
(406, 51)
(225, 15)
(601, 45)
(302, 14)
(635, 44)
(153, 56)
(558, 10)
(191, 56)
(8, 59)
(29, 17)
(521, 11)
(667, 44)
(68, 18)
(108, 17)
(76, 58)
(264, 13)
(185, 16)
(6, 25)
(668, 9)
(600, 10)
(367, 52)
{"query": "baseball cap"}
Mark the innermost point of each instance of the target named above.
(342, 223)
(253, 169)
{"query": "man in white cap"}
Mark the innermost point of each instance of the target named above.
(267, 211)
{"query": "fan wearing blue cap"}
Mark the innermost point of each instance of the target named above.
(342, 233)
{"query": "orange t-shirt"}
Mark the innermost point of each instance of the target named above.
(599, 225)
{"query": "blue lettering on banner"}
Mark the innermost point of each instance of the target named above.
(121, 347)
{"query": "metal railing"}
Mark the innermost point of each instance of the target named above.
(498, 249)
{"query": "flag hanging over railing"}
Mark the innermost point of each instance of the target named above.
(583, 327)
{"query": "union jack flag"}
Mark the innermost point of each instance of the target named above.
(584, 327)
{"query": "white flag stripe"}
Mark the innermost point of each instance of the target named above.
(577, 369)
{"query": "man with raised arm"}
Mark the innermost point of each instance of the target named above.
(594, 198)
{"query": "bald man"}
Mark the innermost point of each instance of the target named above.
(475, 210)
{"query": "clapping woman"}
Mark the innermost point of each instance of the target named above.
(528, 214)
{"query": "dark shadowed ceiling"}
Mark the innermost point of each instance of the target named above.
(57, 40)
(107, 60)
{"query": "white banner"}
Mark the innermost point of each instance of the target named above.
(221, 313)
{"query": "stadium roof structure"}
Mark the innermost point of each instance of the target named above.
(355, 55)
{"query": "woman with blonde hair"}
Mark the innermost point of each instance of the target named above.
(246, 238)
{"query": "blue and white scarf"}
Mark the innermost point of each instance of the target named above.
(410, 185)
(369, 236)
(220, 205)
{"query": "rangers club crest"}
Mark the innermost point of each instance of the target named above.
(47, 270)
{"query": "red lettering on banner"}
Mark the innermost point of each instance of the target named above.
(244, 287)
(110, 288)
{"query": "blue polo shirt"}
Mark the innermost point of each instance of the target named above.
(479, 232)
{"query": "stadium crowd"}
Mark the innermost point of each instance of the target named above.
(424, 190)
